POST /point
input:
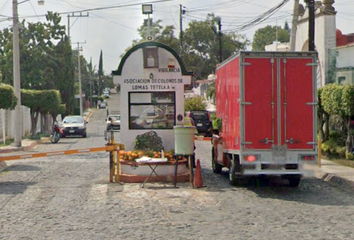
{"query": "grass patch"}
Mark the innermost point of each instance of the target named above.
(340, 161)
(343, 162)
(7, 142)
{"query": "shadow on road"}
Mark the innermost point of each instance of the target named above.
(15, 187)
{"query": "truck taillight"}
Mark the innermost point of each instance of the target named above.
(250, 158)
(308, 158)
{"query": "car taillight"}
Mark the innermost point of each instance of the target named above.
(308, 158)
(250, 158)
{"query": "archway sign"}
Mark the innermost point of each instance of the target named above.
(152, 78)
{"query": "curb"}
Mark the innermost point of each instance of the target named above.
(2, 166)
(11, 149)
(22, 148)
(335, 180)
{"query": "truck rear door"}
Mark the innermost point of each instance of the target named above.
(298, 103)
(278, 102)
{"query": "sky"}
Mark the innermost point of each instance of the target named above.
(111, 25)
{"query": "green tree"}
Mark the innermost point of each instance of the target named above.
(200, 43)
(339, 100)
(194, 104)
(37, 43)
(64, 71)
(100, 74)
(201, 46)
(40, 102)
(269, 34)
(8, 99)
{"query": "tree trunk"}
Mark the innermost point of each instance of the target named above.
(349, 137)
(34, 120)
(326, 131)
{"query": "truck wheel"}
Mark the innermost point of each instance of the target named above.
(214, 165)
(294, 180)
(232, 173)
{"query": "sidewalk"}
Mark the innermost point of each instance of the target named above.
(335, 174)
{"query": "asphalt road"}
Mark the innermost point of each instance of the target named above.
(70, 197)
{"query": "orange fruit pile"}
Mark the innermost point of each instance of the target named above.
(136, 154)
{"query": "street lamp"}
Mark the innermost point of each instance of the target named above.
(16, 71)
(147, 9)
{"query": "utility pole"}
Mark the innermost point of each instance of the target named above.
(77, 16)
(16, 75)
(219, 36)
(220, 40)
(311, 6)
(16, 71)
(79, 74)
(294, 25)
(181, 12)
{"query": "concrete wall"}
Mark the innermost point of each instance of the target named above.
(7, 123)
(345, 56)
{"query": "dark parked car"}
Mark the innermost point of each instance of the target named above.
(74, 126)
(202, 121)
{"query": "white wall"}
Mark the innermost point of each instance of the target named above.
(9, 123)
(325, 40)
(345, 56)
(134, 69)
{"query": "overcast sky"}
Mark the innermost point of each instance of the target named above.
(113, 28)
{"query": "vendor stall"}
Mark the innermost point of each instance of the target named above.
(152, 79)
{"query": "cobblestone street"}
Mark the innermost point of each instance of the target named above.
(70, 197)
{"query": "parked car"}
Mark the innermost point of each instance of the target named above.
(74, 126)
(113, 122)
(202, 121)
(103, 106)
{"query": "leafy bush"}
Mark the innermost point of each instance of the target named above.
(8, 99)
(217, 122)
(337, 136)
(350, 156)
(194, 104)
(340, 151)
(329, 147)
(148, 141)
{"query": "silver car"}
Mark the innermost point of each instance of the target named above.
(74, 126)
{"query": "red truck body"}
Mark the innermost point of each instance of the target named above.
(267, 102)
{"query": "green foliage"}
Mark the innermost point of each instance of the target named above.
(41, 101)
(211, 91)
(46, 57)
(267, 35)
(217, 122)
(347, 100)
(329, 147)
(38, 59)
(349, 156)
(148, 141)
(331, 97)
(194, 104)
(8, 99)
(339, 100)
(200, 50)
(201, 46)
(338, 137)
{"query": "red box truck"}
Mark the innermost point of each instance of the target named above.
(267, 103)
